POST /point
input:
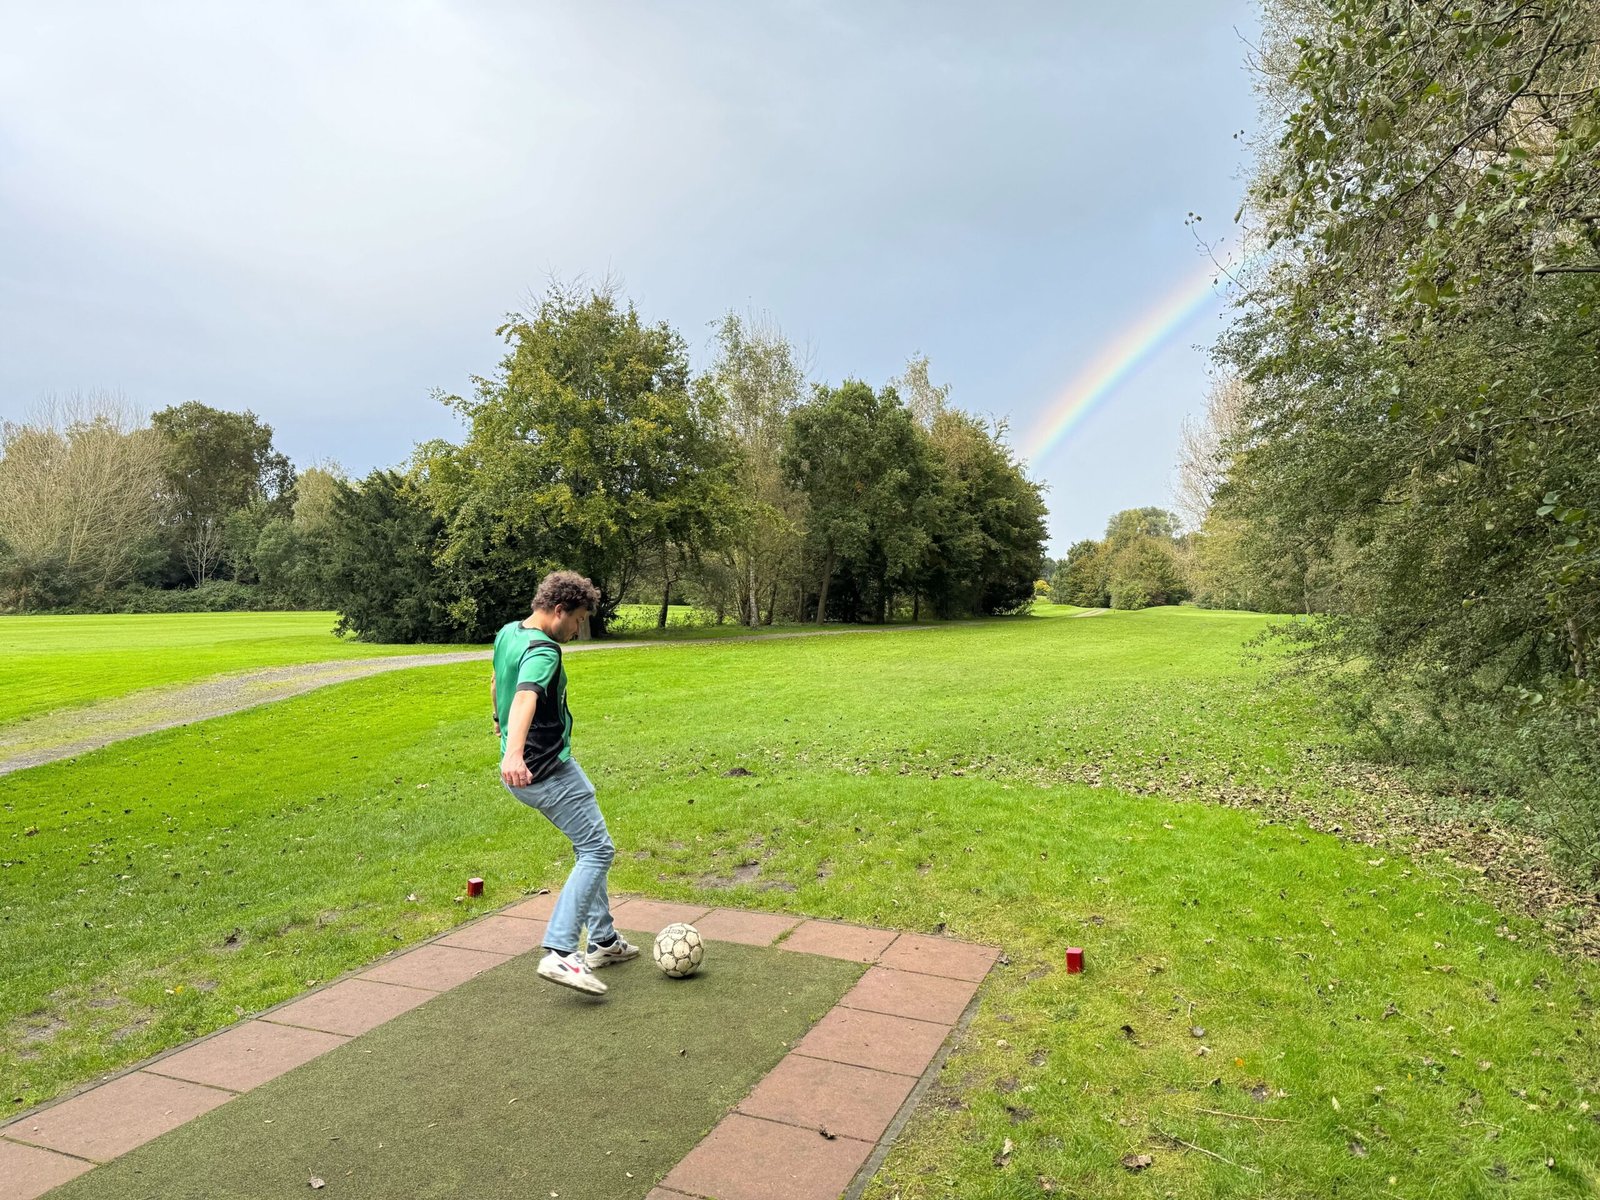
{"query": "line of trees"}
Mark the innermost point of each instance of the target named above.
(100, 510)
(593, 447)
(1405, 440)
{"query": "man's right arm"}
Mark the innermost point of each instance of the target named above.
(512, 769)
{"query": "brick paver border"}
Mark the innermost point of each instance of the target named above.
(814, 1128)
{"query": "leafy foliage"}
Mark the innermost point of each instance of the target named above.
(1136, 565)
(856, 456)
(382, 542)
(588, 449)
(79, 503)
(758, 381)
(1421, 348)
(216, 462)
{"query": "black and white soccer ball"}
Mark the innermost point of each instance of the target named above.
(679, 950)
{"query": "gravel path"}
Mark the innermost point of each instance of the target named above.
(55, 736)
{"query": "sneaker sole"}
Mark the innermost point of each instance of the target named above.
(611, 960)
(572, 984)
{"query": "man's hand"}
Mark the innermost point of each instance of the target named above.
(514, 771)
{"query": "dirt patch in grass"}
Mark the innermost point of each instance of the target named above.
(38, 1030)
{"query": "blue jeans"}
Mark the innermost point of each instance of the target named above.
(566, 797)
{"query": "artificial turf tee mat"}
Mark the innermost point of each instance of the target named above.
(505, 1086)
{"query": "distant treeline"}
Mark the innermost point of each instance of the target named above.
(1142, 562)
(592, 447)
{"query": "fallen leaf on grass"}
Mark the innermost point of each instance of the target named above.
(1137, 1162)
(317, 1184)
(1046, 1184)
(1197, 1031)
(1003, 1159)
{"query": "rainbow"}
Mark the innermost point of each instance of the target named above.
(1123, 356)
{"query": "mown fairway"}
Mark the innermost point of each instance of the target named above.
(51, 663)
(1328, 1019)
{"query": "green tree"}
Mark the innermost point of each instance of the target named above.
(758, 381)
(1422, 461)
(216, 463)
(863, 468)
(290, 555)
(383, 539)
(1082, 577)
(1144, 572)
(1423, 382)
(990, 526)
(1133, 523)
(983, 516)
(587, 449)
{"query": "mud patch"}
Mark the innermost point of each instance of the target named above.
(132, 1029)
(38, 1030)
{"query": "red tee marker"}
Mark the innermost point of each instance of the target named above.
(1074, 960)
(474, 886)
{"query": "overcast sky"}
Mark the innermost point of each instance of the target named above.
(319, 211)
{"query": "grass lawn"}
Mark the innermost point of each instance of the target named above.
(51, 663)
(502, 1089)
(1322, 1018)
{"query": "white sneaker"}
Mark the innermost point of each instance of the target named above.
(620, 950)
(569, 970)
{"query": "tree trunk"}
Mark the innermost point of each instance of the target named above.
(916, 607)
(772, 602)
(822, 594)
(883, 601)
(666, 595)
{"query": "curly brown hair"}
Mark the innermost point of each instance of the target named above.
(568, 590)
